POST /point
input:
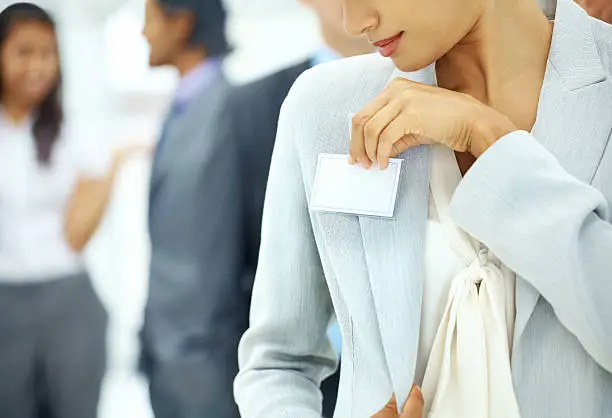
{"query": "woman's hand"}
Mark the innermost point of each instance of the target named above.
(136, 148)
(412, 409)
(407, 114)
(91, 196)
(124, 153)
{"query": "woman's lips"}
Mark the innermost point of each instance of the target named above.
(388, 47)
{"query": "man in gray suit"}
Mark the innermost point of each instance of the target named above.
(196, 309)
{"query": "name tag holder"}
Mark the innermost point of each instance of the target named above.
(340, 187)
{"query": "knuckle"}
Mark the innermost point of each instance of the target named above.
(408, 85)
(370, 130)
(356, 149)
(384, 138)
(397, 103)
(407, 95)
(398, 81)
(358, 120)
(386, 143)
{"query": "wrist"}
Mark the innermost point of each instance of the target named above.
(116, 162)
(487, 128)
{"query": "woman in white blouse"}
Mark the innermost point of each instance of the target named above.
(54, 188)
(490, 286)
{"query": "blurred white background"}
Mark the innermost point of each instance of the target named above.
(111, 91)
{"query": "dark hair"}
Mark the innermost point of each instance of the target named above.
(209, 23)
(49, 115)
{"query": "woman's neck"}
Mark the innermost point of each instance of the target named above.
(16, 113)
(502, 61)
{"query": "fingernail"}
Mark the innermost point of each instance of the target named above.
(351, 160)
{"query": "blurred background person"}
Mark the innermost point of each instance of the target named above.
(195, 312)
(54, 189)
(104, 55)
(254, 109)
(600, 9)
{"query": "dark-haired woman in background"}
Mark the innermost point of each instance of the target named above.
(54, 188)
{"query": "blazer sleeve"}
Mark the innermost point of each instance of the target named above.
(285, 354)
(550, 228)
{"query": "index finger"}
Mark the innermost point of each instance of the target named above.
(357, 152)
(357, 149)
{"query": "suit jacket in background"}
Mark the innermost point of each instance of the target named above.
(251, 121)
(195, 312)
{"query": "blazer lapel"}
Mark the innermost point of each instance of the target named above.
(394, 252)
(570, 122)
(179, 132)
(174, 141)
(159, 166)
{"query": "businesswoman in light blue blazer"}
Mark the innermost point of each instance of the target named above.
(489, 292)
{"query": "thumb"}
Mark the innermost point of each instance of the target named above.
(414, 405)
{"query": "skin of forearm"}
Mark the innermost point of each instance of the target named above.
(88, 205)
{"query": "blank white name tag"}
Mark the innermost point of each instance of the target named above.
(344, 188)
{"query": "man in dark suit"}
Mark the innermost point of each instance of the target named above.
(253, 113)
(196, 309)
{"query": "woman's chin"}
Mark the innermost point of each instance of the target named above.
(409, 67)
(408, 64)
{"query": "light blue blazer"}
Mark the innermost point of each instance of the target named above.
(542, 203)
